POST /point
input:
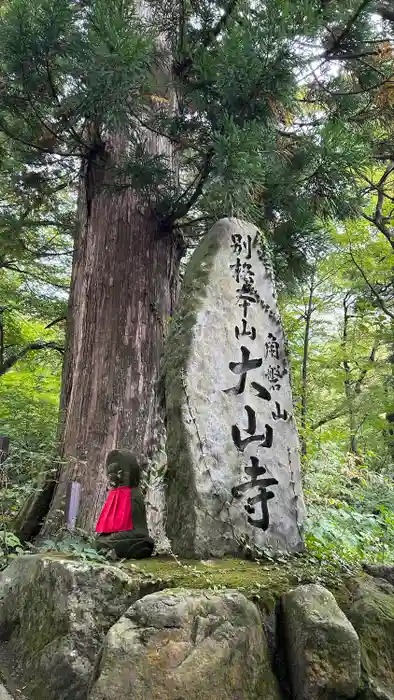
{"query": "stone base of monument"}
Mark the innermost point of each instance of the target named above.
(233, 479)
(166, 630)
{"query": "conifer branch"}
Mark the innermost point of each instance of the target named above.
(197, 186)
(211, 34)
(338, 40)
(36, 146)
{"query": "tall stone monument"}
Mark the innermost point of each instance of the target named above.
(233, 476)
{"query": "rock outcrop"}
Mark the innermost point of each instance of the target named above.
(370, 608)
(323, 649)
(381, 571)
(78, 631)
(54, 614)
(183, 644)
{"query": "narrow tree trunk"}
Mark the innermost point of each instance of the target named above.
(124, 282)
(389, 432)
(349, 393)
(305, 366)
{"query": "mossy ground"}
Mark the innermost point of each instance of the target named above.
(263, 582)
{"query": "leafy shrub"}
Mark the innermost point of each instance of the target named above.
(350, 510)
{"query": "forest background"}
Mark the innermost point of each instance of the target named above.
(322, 194)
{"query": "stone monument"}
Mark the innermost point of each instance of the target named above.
(233, 476)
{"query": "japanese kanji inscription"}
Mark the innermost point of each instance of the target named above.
(236, 412)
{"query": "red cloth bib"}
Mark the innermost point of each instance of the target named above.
(116, 513)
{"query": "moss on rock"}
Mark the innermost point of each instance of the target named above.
(56, 610)
(262, 582)
(54, 614)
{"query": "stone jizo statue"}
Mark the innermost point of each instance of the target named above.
(122, 524)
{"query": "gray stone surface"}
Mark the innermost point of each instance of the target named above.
(381, 571)
(187, 645)
(213, 407)
(54, 614)
(4, 694)
(370, 608)
(323, 649)
(154, 491)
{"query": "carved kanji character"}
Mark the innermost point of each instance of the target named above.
(243, 272)
(273, 375)
(255, 471)
(238, 244)
(278, 414)
(262, 498)
(265, 439)
(262, 392)
(271, 347)
(245, 300)
(251, 332)
(242, 368)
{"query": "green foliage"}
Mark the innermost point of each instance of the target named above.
(29, 391)
(351, 510)
(76, 545)
(258, 134)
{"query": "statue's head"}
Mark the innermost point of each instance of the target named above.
(122, 469)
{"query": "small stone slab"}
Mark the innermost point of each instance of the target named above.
(233, 465)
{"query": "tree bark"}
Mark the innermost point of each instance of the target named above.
(124, 285)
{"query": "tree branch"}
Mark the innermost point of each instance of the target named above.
(382, 228)
(37, 278)
(57, 320)
(39, 345)
(337, 413)
(371, 287)
(221, 23)
(379, 220)
(197, 185)
(345, 32)
(363, 373)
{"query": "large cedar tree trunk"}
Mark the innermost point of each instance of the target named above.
(124, 283)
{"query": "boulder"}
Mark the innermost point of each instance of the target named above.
(370, 608)
(54, 615)
(381, 571)
(186, 645)
(323, 649)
